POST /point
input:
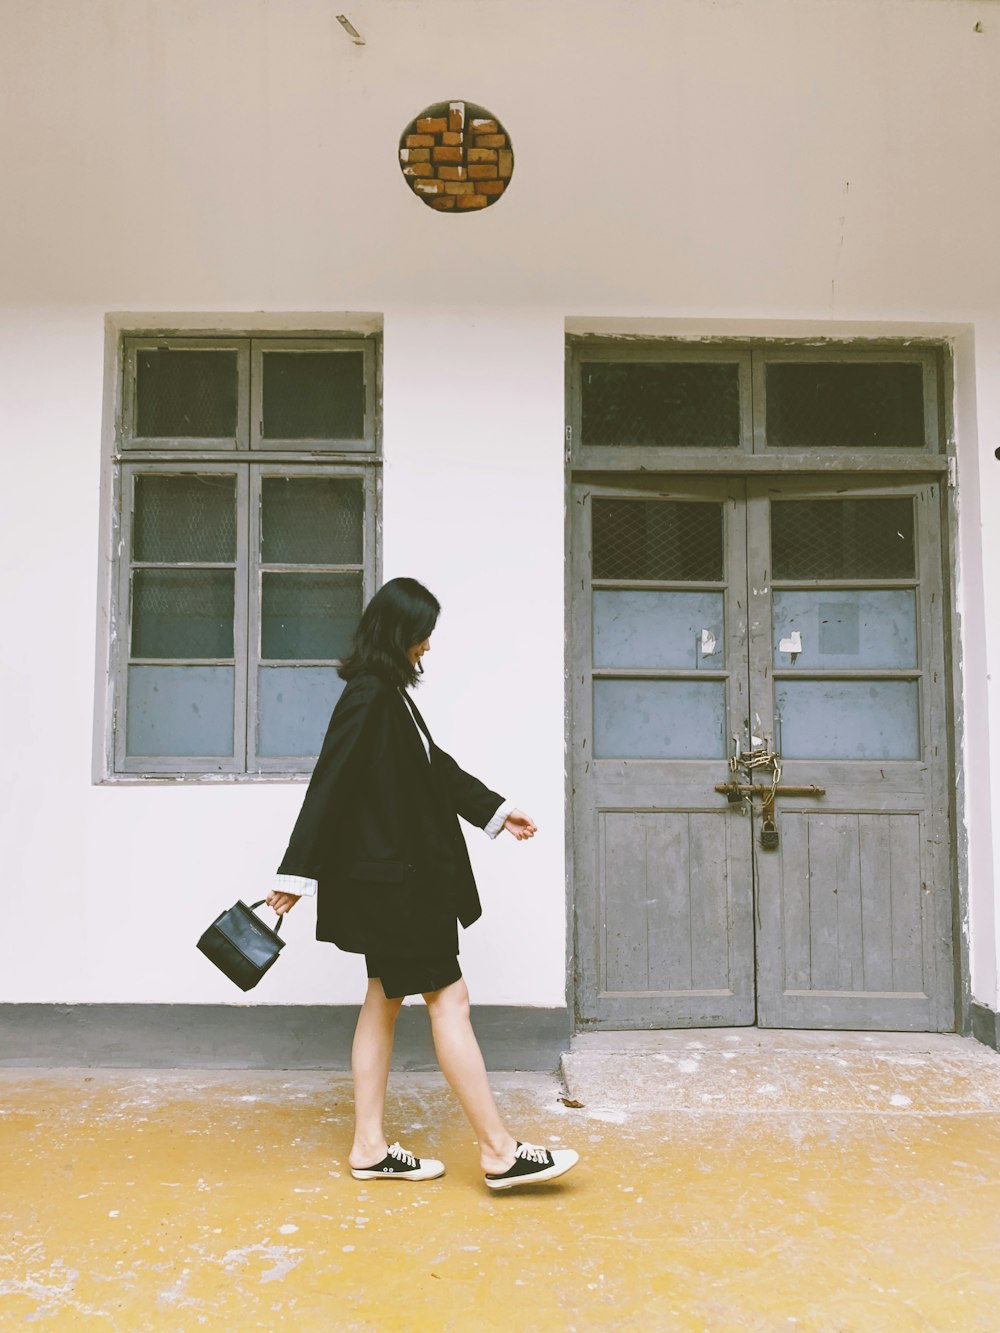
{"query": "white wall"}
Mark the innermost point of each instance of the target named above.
(828, 162)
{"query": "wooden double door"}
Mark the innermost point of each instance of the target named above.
(757, 633)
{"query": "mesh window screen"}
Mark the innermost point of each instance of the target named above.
(842, 539)
(857, 406)
(182, 613)
(692, 405)
(664, 540)
(187, 394)
(308, 616)
(312, 521)
(313, 396)
(184, 519)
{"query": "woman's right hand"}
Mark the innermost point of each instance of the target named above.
(521, 825)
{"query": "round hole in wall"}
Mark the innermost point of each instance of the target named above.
(456, 157)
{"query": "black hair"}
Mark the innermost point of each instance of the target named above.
(402, 613)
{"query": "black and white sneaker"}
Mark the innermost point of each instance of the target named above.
(532, 1165)
(398, 1164)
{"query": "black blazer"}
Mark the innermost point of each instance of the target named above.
(379, 830)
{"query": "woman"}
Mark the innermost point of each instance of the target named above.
(378, 838)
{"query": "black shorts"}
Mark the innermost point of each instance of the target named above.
(413, 976)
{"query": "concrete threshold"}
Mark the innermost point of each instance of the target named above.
(750, 1070)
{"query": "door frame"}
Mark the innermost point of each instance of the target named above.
(601, 467)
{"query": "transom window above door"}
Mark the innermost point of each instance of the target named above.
(245, 548)
(639, 405)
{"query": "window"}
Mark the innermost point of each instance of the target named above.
(246, 481)
(647, 405)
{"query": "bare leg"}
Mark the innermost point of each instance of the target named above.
(462, 1063)
(371, 1055)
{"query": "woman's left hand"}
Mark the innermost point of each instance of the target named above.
(521, 825)
(282, 902)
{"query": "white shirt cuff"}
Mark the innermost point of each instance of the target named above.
(297, 884)
(496, 824)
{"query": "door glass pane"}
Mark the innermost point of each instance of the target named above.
(848, 719)
(293, 708)
(182, 613)
(842, 539)
(313, 395)
(180, 710)
(659, 719)
(312, 521)
(187, 518)
(694, 405)
(307, 616)
(854, 405)
(186, 394)
(669, 541)
(639, 628)
(845, 628)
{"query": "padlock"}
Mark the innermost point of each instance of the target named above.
(734, 796)
(768, 835)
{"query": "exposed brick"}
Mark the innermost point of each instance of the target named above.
(430, 186)
(458, 187)
(420, 141)
(479, 171)
(472, 201)
(452, 137)
(490, 140)
(432, 124)
(451, 173)
(491, 187)
(446, 154)
(418, 169)
(481, 126)
(482, 154)
(414, 155)
(444, 201)
(506, 162)
(456, 116)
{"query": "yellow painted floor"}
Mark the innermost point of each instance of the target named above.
(720, 1188)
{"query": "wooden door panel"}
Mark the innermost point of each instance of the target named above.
(855, 903)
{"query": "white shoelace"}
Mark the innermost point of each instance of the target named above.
(401, 1155)
(531, 1153)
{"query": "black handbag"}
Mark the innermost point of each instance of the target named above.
(241, 945)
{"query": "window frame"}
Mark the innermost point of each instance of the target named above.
(257, 566)
(132, 441)
(753, 452)
(129, 456)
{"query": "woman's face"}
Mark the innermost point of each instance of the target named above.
(417, 651)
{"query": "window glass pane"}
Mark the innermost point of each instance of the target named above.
(312, 521)
(181, 393)
(848, 719)
(634, 628)
(664, 540)
(313, 395)
(692, 405)
(307, 616)
(180, 710)
(188, 518)
(845, 628)
(659, 719)
(842, 539)
(293, 708)
(855, 405)
(182, 613)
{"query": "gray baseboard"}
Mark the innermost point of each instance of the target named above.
(210, 1036)
(985, 1025)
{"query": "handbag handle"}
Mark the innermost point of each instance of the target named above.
(260, 903)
